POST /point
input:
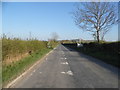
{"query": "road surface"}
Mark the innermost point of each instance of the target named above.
(66, 68)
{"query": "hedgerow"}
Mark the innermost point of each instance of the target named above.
(15, 46)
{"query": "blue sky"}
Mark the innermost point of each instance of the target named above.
(42, 19)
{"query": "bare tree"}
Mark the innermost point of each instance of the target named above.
(54, 36)
(95, 17)
(94, 36)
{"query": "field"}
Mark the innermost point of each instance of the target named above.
(107, 51)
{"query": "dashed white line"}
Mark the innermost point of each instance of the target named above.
(65, 63)
(63, 58)
(68, 73)
(63, 72)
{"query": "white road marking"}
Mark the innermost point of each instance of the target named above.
(63, 58)
(63, 72)
(64, 63)
(68, 73)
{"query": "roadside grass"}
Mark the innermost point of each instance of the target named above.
(0, 75)
(9, 72)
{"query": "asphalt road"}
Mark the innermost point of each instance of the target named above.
(66, 68)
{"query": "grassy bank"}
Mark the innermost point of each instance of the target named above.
(107, 52)
(11, 71)
(15, 48)
(18, 55)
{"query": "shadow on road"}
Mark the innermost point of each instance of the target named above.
(109, 67)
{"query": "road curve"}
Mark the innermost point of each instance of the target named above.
(66, 68)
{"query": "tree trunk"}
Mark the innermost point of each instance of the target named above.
(98, 36)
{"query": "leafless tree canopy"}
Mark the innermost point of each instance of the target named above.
(96, 17)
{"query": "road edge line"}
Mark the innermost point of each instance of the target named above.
(24, 73)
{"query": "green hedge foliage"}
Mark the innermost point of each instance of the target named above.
(17, 46)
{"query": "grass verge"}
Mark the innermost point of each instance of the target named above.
(10, 72)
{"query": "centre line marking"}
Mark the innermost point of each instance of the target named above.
(63, 72)
(65, 63)
(68, 73)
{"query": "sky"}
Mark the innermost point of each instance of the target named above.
(41, 19)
